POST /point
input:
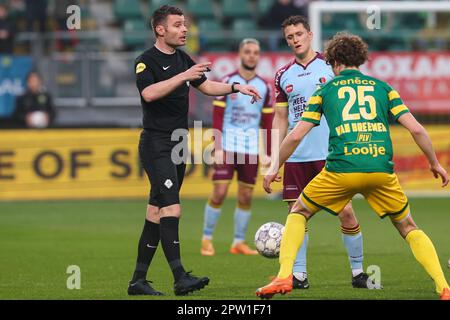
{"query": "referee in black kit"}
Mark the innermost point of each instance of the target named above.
(163, 77)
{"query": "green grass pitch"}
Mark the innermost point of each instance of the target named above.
(39, 240)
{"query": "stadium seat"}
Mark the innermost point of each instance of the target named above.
(397, 47)
(68, 79)
(211, 35)
(264, 6)
(135, 33)
(409, 20)
(155, 4)
(236, 9)
(209, 26)
(127, 9)
(100, 87)
(342, 21)
(330, 22)
(15, 12)
(243, 28)
(201, 8)
(206, 25)
(348, 21)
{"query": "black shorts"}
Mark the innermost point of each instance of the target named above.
(165, 174)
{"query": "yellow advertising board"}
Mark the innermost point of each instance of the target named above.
(85, 164)
(103, 163)
(412, 166)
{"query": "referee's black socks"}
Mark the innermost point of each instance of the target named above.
(148, 243)
(171, 245)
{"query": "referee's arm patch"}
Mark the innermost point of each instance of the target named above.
(140, 67)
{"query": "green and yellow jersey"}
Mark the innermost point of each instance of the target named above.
(357, 108)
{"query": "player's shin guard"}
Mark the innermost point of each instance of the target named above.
(300, 259)
(212, 214)
(352, 238)
(424, 252)
(294, 232)
(241, 221)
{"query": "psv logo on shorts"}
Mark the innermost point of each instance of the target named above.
(289, 88)
(168, 183)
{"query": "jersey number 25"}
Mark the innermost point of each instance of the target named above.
(363, 99)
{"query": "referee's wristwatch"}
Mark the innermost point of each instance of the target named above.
(233, 89)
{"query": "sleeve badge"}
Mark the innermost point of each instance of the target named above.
(140, 67)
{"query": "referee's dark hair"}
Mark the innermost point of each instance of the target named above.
(160, 15)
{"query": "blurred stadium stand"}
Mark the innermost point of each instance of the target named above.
(90, 72)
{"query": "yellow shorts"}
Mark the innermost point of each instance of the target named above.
(331, 191)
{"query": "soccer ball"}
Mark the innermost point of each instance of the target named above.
(268, 239)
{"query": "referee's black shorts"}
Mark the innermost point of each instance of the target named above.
(164, 172)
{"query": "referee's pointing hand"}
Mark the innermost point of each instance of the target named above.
(196, 71)
(249, 91)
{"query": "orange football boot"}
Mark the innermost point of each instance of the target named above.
(243, 248)
(277, 285)
(207, 248)
(445, 295)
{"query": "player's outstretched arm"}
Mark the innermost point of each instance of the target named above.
(281, 122)
(423, 140)
(161, 89)
(215, 88)
(293, 139)
(287, 147)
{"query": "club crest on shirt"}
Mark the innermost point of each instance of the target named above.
(322, 80)
(289, 88)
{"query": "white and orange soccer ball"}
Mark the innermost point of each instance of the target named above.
(268, 239)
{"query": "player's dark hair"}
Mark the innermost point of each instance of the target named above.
(160, 15)
(346, 49)
(295, 20)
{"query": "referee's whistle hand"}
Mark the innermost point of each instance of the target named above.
(250, 91)
(196, 71)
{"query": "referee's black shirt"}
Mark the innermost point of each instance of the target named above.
(170, 112)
